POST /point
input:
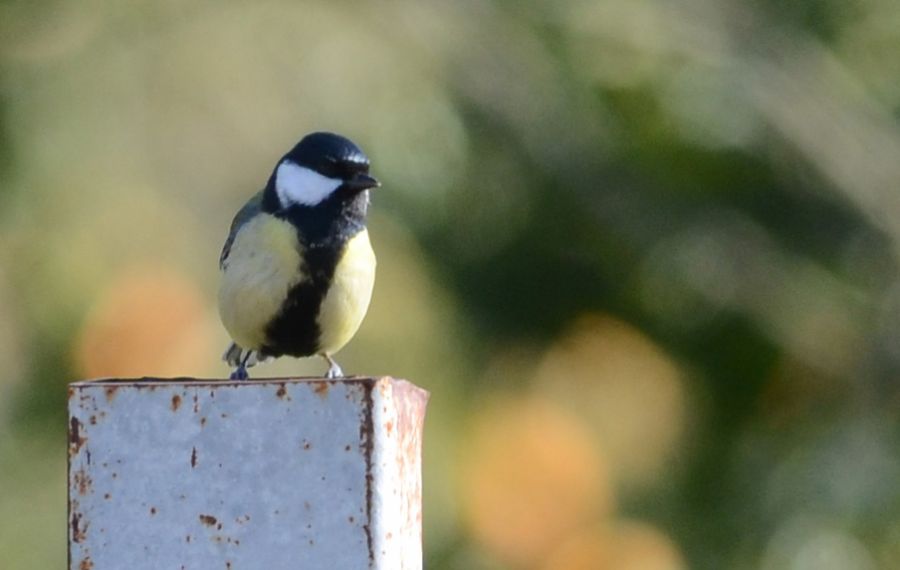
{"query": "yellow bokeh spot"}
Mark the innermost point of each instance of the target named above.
(531, 475)
(626, 387)
(151, 321)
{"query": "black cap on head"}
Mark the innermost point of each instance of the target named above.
(330, 155)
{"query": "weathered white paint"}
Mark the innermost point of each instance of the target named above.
(275, 474)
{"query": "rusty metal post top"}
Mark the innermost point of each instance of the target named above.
(264, 473)
(151, 381)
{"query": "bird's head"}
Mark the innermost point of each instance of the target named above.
(321, 167)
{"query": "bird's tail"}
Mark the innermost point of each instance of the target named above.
(236, 356)
(233, 355)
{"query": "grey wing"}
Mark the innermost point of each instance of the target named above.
(250, 209)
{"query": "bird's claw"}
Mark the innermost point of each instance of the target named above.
(240, 373)
(334, 370)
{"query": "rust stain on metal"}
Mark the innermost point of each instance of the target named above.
(208, 520)
(306, 445)
(152, 511)
(389, 427)
(282, 392)
(86, 564)
(410, 423)
(366, 433)
(79, 532)
(176, 402)
(203, 421)
(196, 403)
(93, 420)
(110, 392)
(82, 482)
(76, 439)
(321, 389)
(193, 457)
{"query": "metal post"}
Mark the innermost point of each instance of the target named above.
(268, 474)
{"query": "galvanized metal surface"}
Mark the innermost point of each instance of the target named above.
(257, 475)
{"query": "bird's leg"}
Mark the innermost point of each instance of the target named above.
(334, 370)
(240, 373)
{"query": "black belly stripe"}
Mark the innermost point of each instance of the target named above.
(295, 330)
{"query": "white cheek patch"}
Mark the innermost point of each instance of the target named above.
(296, 184)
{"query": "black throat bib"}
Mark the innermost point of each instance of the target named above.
(323, 232)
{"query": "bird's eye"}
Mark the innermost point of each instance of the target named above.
(330, 168)
(358, 168)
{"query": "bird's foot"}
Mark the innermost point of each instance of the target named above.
(241, 359)
(334, 369)
(240, 373)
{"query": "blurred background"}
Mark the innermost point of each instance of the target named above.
(643, 253)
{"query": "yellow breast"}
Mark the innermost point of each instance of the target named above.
(347, 300)
(265, 261)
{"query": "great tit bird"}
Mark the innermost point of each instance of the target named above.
(297, 267)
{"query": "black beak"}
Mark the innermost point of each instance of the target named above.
(361, 182)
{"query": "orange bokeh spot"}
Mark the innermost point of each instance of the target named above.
(627, 389)
(531, 474)
(623, 546)
(150, 321)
